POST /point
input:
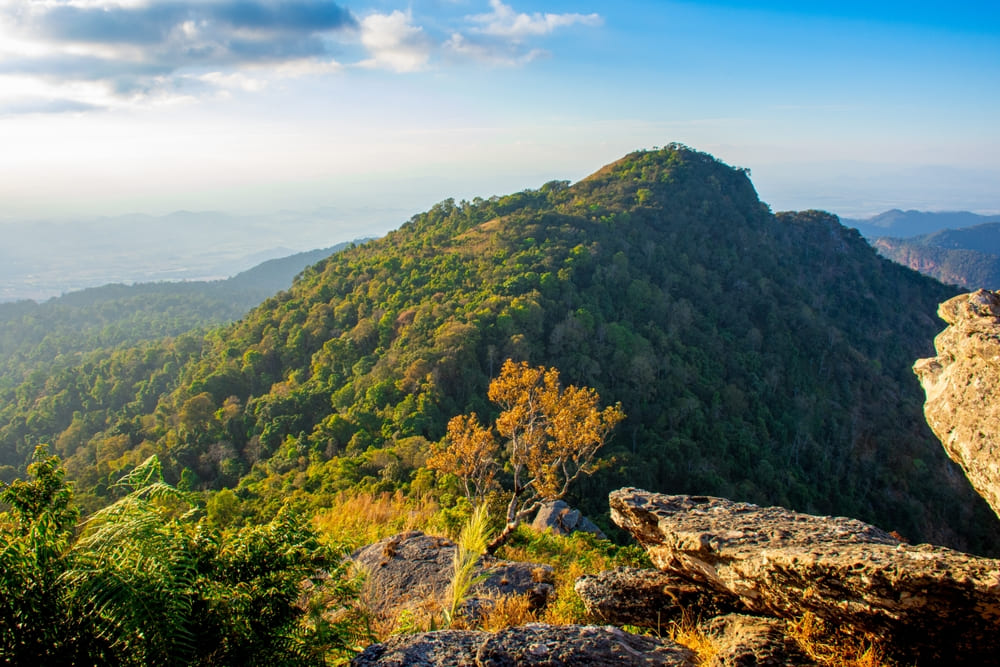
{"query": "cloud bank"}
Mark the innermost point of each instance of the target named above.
(80, 55)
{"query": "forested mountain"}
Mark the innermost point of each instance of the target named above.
(907, 224)
(967, 257)
(760, 357)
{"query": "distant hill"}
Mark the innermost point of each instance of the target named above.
(46, 258)
(967, 257)
(37, 334)
(906, 224)
(762, 357)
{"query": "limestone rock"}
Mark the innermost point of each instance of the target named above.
(752, 641)
(411, 569)
(649, 598)
(533, 644)
(928, 602)
(962, 384)
(563, 520)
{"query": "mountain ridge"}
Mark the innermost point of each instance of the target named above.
(759, 356)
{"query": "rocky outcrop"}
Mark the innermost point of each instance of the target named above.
(649, 598)
(962, 384)
(412, 570)
(562, 519)
(927, 602)
(752, 641)
(533, 644)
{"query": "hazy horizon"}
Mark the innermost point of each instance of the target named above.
(111, 107)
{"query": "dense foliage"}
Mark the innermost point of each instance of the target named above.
(143, 583)
(762, 357)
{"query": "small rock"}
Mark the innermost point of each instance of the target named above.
(562, 519)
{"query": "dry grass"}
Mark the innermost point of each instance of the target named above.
(507, 611)
(363, 518)
(687, 633)
(835, 649)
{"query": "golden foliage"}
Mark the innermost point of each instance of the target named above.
(553, 433)
(470, 455)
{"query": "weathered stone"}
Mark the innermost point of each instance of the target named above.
(533, 644)
(444, 647)
(752, 641)
(557, 645)
(562, 519)
(649, 598)
(928, 602)
(962, 385)
(412, 570)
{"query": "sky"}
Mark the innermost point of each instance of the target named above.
(110, 107)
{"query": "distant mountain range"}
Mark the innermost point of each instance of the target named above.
(43, 259)
(906, 224)
(969, 258)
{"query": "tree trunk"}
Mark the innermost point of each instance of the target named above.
(502, 538)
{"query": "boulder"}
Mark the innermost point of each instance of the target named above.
(962, 386)
(649, 598)
(413, 570)
(929, 603)
(533, 644)
(752, 641)
(562, 519)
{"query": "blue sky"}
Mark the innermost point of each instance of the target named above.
(114, 106)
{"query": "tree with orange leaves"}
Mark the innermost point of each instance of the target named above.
(552, 437)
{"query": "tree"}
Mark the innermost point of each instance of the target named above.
(552, 438)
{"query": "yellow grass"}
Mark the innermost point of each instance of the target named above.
(362, 518)
(835, 649)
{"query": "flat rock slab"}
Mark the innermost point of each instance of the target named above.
(928, 602)
(533, 644)
(412, 569)
(649, 598)
(962, 387)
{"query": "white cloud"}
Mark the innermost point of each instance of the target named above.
(505, 22)
(491, 52)
(501, 37)
(394, 42)
(114, 53)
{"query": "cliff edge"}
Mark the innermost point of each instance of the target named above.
(962, 384)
